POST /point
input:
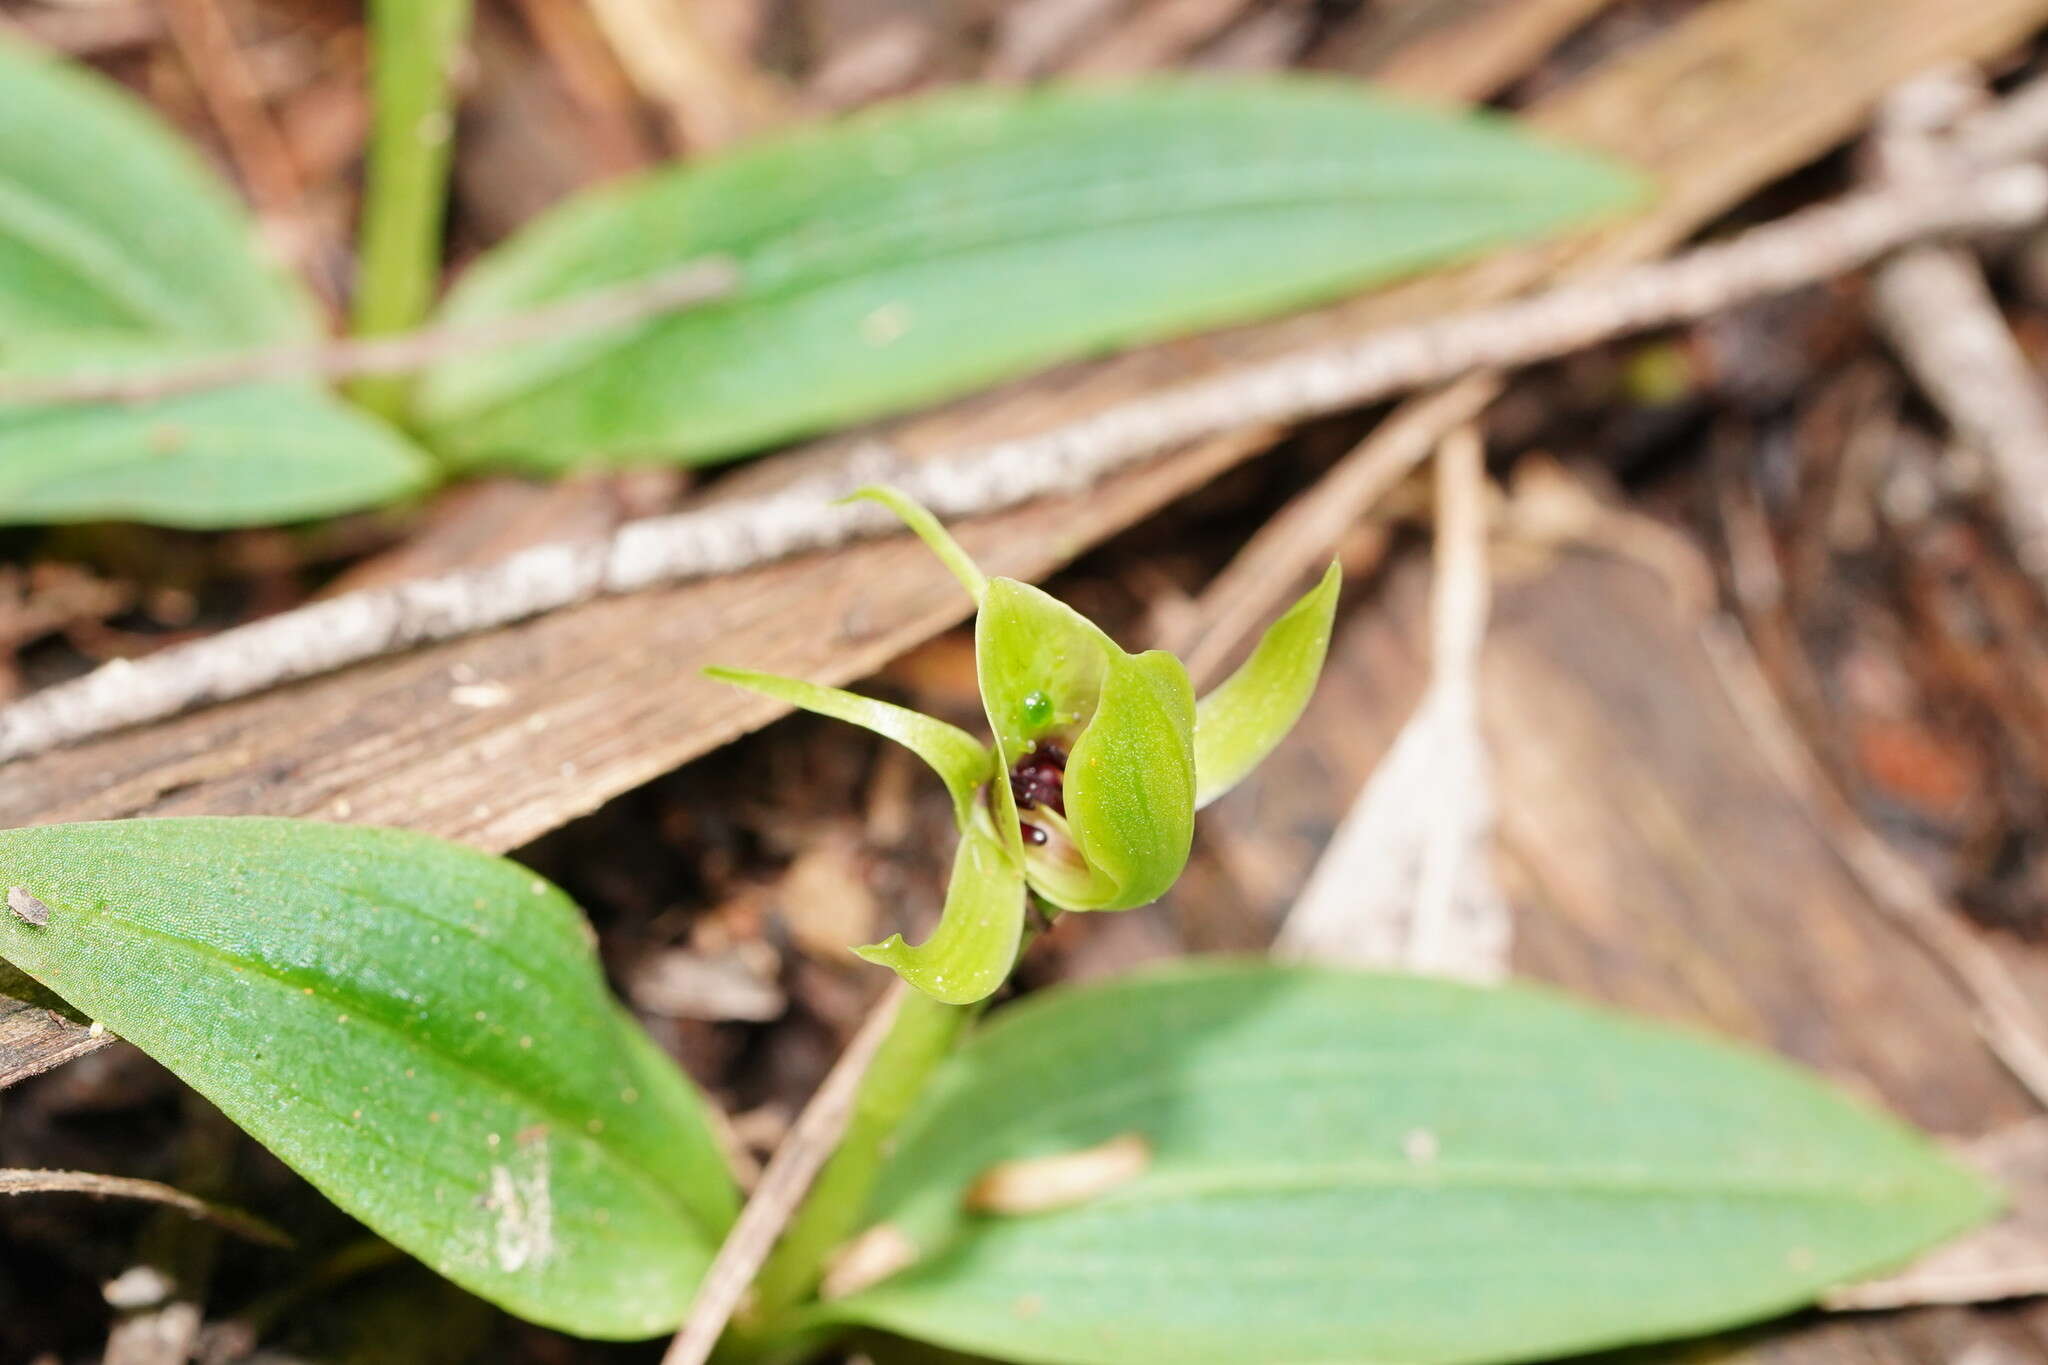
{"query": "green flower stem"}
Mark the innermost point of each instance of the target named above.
(923, 1032)
(414, 44)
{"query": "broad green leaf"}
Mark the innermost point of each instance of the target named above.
(420, 1030)
(980, 930)
(920, 520)
(963, 762)
(1359, 1168)
(120, 250)
(929, 247)
(1252, 710)
(110, 224)
(230, 457)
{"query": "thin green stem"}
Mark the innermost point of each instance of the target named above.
(923, 1033)
(414, 44)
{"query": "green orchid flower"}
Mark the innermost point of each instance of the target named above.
(1087, 797)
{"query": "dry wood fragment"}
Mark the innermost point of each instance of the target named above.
(1059, 1180)
(606, 697)
(1938, 312)
(1160, 34)
(1303, 535)
(207, 42)
(710, 96)
(27, 908)
(1407, 879)
(1453, 46)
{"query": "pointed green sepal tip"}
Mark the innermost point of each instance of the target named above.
(980, 930)
(919, 519)
(960, 760)
(1240, 722)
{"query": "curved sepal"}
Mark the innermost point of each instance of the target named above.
(1240, 722)
(1130, 783)
(919, 519)
(979, 933)
(959, 760)
(1041, 665)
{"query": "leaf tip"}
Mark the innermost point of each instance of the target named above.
(927, 527)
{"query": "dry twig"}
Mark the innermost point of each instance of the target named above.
(1407, 879)
(672, 291)
(1813, 245)
(1301, 537)
(124, 1187)
(207, 42)
(1939, 313)
(781, 1188)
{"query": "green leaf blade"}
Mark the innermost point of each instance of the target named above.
(419, 1029)
(229, 457)
(1252, 710)
(120, 251)
(1376, 1169)
(110, 223)
(929, 248)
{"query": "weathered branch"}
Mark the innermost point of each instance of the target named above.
(124, 1187)
(674, 291)
(1798, 250)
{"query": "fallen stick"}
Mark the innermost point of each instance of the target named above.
(781, 1188)
(687, 286)
(1798, 250)
(1936, 309)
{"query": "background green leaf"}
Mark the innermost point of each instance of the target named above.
(419, 1029)
(930, 247)
(119, 249)
(228, 457)
(1363, 1168)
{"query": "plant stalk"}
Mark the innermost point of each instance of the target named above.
(414, 46)
(923, 1033)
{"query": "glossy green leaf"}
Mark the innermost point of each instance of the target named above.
(419, 1029)
(960, 760)
(229, 457)
(1360, 1168)
(120, 250)
(932, 246)
(1252, 710)
(980, 930)
(928, 529)
(110, 224)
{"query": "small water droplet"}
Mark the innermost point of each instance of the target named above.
(1035, 709)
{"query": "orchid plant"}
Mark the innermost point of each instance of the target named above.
(1087, 795)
